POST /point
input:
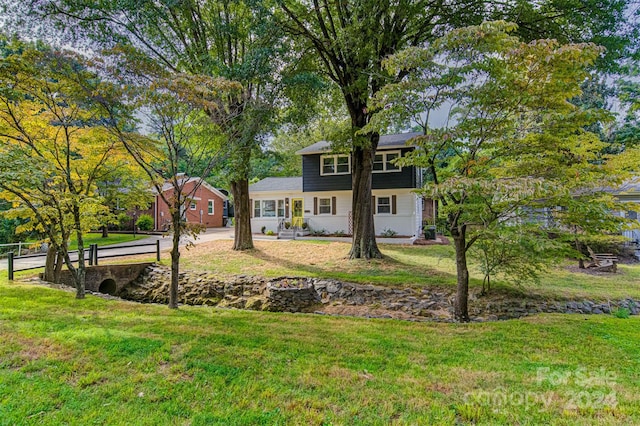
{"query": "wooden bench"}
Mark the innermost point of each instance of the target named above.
(604, 262)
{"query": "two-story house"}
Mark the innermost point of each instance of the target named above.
(321, 198)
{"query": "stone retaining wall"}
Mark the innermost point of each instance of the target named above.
(289, 294)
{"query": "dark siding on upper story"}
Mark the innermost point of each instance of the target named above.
(312, 181)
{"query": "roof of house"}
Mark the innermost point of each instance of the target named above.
(277, 184)
(630, 187)
(167, 186)
(398, 140)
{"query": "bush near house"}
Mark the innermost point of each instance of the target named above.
(145, 223)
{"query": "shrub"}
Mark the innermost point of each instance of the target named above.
(270, 232)
(622, 313)
(388, 233)
(287, 225)
(124, 221)
(340, 233)
(145, 223)
(305, 225)
(319, 232)
(263, 229)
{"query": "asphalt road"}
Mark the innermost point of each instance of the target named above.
(165, 243)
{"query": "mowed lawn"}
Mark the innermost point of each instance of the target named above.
(96, 361)
(402, 266)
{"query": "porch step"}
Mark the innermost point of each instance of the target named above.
(287, 234)
(290, 234)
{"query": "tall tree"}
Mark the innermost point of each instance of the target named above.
(230, 39)
(511, 139)
(351, 38)
(182, 141)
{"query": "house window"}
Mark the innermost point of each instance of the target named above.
(192, 206)
(324, 206)
(335, 165)
(210, 207)
(384, 205)
(268, 208)
(632, 215)
(383, 162)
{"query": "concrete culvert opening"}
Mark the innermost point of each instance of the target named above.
(108, 286)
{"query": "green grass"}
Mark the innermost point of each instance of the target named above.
(96, 238)
(416, 266)
(64, 361)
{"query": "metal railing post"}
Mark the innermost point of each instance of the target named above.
(158, 250)
(10, 265)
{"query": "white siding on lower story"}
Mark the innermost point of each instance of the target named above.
(406, 221)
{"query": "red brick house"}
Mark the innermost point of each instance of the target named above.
(207, 205)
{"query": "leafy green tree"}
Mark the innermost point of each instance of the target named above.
(511, 139)
(53, 148)
(182, 142)
(236, 40)
(350, 40)
(519, 252)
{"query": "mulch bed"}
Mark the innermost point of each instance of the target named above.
(440, 240)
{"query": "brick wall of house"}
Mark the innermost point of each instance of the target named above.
(201, 204)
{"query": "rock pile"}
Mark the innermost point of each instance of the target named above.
(290, 294)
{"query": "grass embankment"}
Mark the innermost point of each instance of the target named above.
(96, 238)
(108, 362)
(402, 266)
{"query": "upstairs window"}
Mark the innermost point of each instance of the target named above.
(383, 162)
(335, 165)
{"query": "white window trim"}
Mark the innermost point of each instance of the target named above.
(193, 205)
(378, 205)
(261, 208)
(319, 206)
(335, 164)
(212, 204)
(384, 161)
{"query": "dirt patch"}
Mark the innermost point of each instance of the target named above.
(588, 271)
(440, 240)
(362, 311)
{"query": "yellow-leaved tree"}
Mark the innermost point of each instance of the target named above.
(54, 149)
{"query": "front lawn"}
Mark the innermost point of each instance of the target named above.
(402, 266)
(119, 363)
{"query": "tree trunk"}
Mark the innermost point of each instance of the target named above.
(50, 264)
(461, 311)
(579, 250)
(57, 273)
(80, 273)
(363, 245)
(105, 231)
(243, 239)
(175, 257)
